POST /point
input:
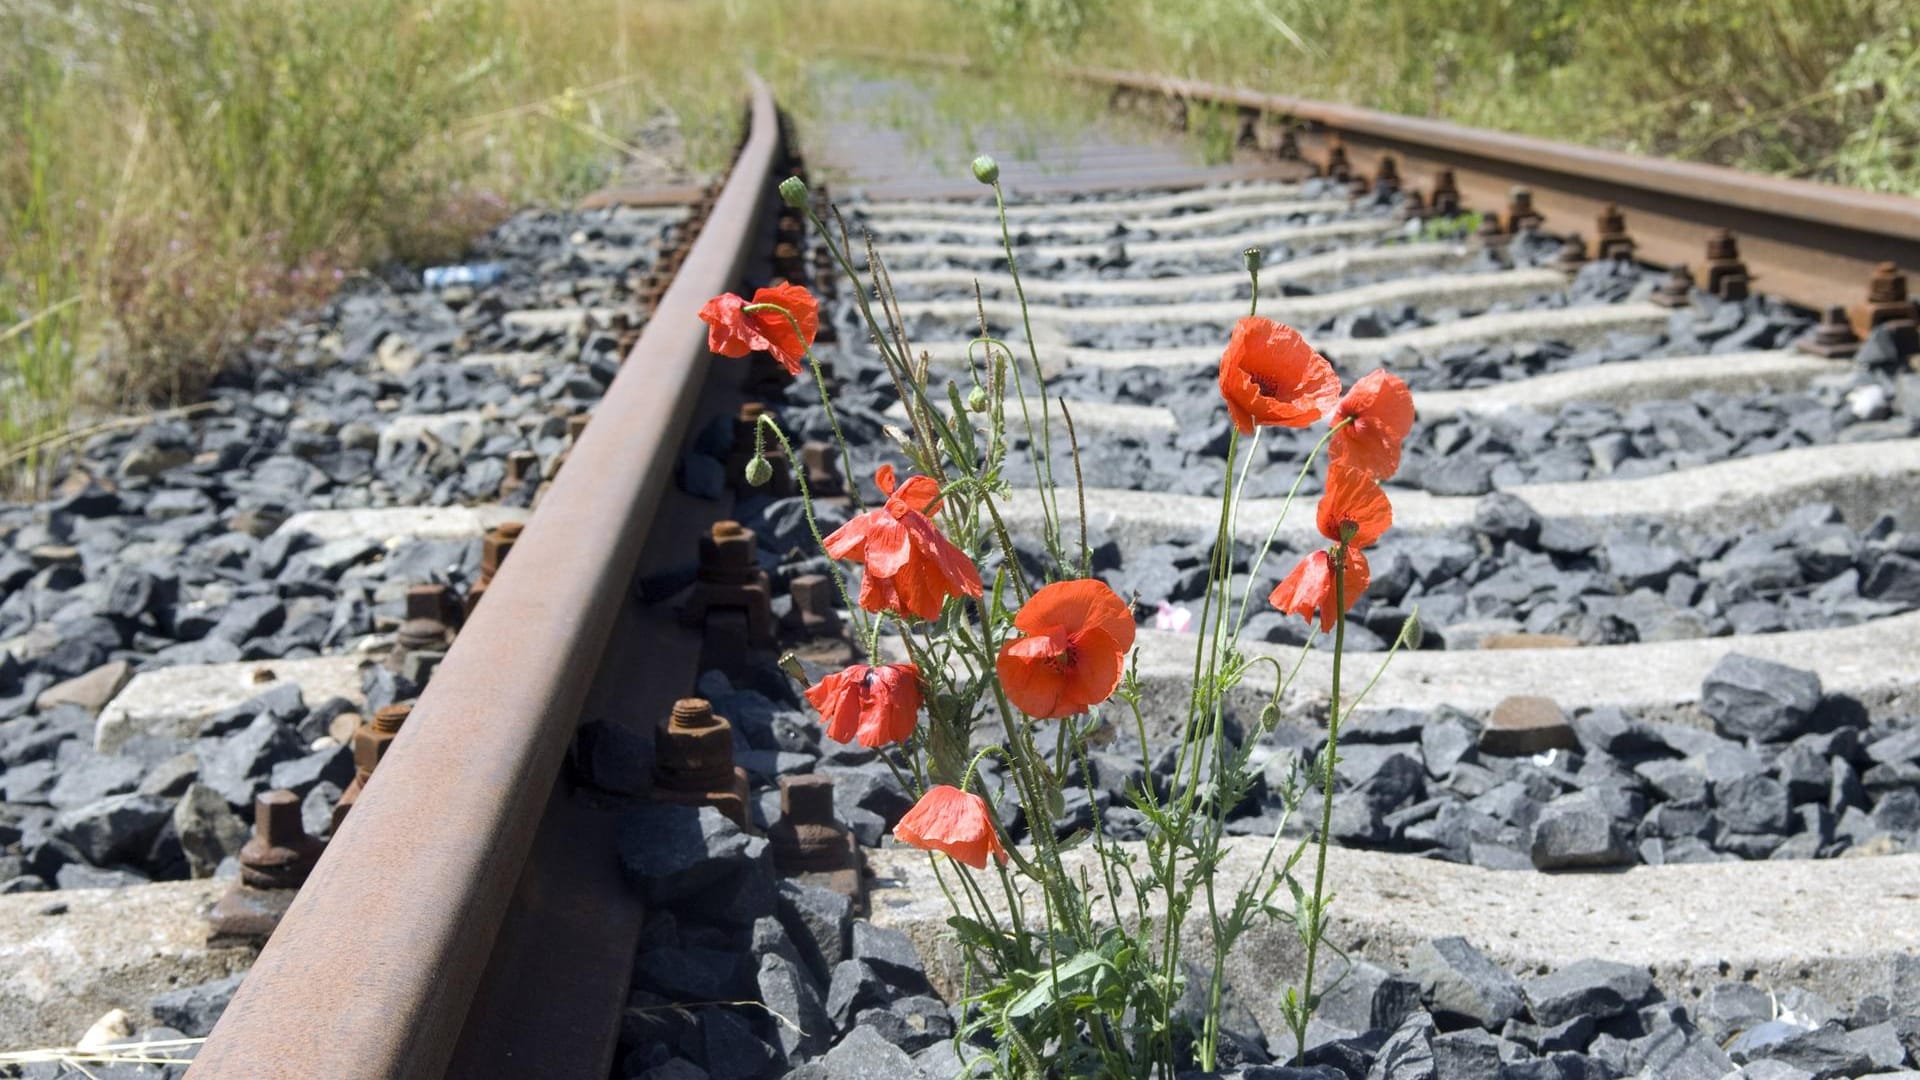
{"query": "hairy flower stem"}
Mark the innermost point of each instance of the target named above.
(1314, 912)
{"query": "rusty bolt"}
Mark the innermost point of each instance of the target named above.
(1726, 275)
(1572, 256)
(1412, 204)
(1887, 297)
(1289, 148)
(280, 854)
(1521, 215)
(1386, 178)
(823, 468)
(807, 839)
(696, 748)
(1445, 198)
(1833, 338)
(1676, 291)
(1337, 167)
(1249, 134)
(1611, 240)
(726, 553)
(813, 599)
(523, 467)
(427, 625)
(371, 739)
(1490, 233)
(496, 547)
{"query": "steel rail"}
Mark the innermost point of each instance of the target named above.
(374, 969)
(1815, 244)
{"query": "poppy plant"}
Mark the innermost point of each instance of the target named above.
(1378, 413)
(1353, 511)
(910, 567)
(1078, 634)
(954, 821)
(875, 706)
(1309, 593)
(734, 329)
(1271, 377)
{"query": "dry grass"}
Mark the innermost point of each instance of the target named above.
(173, 177)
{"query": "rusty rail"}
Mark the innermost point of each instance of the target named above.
(373, 972)
(1812, 243)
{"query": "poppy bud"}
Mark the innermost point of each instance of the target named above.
(790, 664)
(986, 170)
(1269, 716)
(1411, 632)
(793, 192)
(1252, 258)
(977, 399)
(759, 471)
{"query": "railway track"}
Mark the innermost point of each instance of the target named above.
(1616, 483)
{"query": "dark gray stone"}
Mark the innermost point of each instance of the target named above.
(333, 765)
(671, 852)
(194, 1009)
(1596, 988)
(1408, 1054)
(891, 953)
(1467, 1054)
(239, 765)
(1827, 1051)
(1753, 804)
(1578, 830)
(1747, 697)
(820, 924)
(118, 828)
(856, 985)
(693, 975)
(791, 991)
(1457, 980)
(911, 1023)
(734, 1052)
(866, 1055)
(1366, 996)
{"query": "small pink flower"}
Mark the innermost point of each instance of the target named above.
(1176, 619)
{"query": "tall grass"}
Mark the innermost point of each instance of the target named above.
(175, 176)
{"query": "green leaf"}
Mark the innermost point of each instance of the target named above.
(1070, 975)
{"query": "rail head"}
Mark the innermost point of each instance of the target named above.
(373, 969)
(1809, 201)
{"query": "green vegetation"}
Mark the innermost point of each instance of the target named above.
(175, 176)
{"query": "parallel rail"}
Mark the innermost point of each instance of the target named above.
(426, 914)
(1812, 243)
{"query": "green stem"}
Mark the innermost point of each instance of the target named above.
(767, 422)
(1326, 797)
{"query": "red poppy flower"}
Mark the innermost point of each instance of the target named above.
(875, 705)
(1078, 634)
(1379, 413)
(956, 822)
(1271, 377)
(1354, 511)
(734, 331)
(1308, 591)
(910, 567)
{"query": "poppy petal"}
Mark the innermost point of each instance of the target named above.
(1271, 377)
(778, 331)
(727, 331)
(953, 821)
(1379, 413)
(1353, 510)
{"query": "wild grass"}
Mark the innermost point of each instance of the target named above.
(175, 176)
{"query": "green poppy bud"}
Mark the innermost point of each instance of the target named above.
(1269, 716)
(986, 170)
(1411, 631)
(759, 471)
(793, 192)
(977, 399)
(1252, 258)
